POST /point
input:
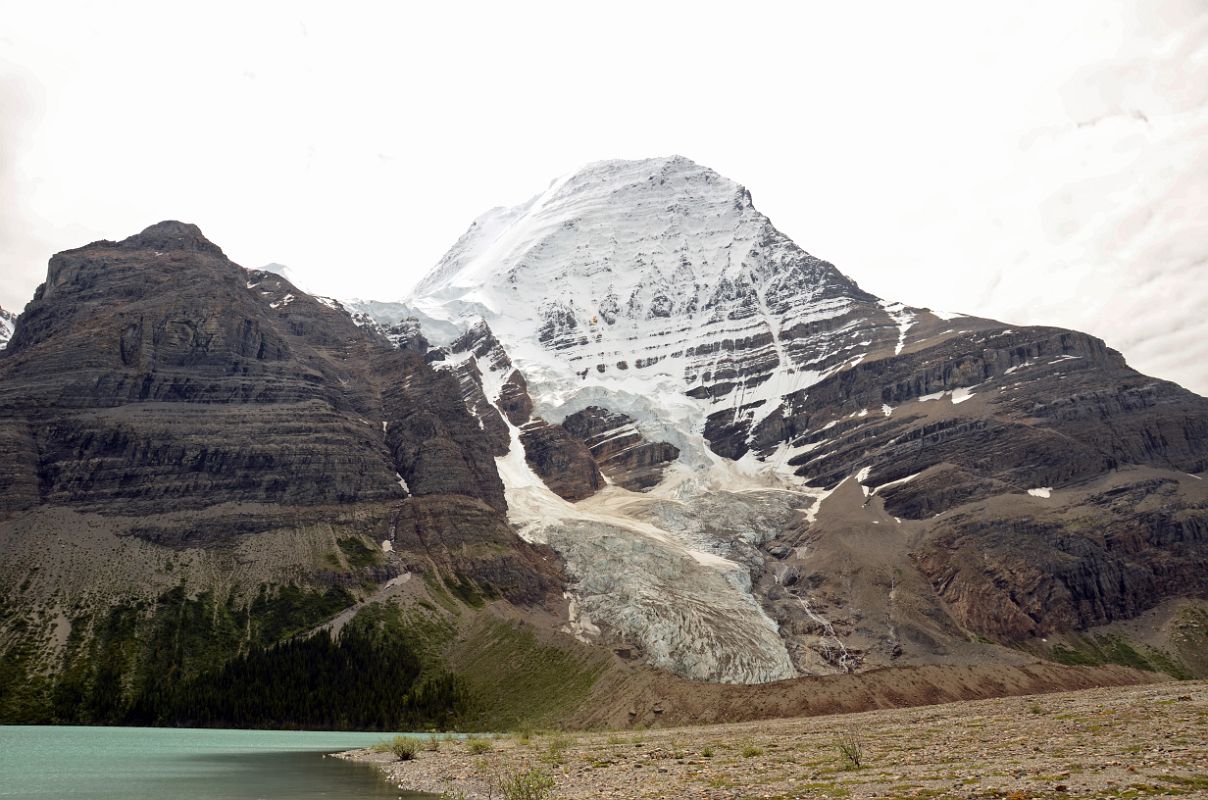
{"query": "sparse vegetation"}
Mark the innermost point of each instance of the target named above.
(1085, 744)
(533, 784)
(478, 746)
(1115, 649)
(517, 679)
(851, 750)
(357, 553)
(555, 752)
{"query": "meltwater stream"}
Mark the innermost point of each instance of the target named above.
(70, 763)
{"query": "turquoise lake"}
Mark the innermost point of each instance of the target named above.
(174, 763)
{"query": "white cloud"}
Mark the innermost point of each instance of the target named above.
(932, 152)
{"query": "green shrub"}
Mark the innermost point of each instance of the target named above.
(404, 748)
(750, 751)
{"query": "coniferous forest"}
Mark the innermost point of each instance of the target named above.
(183, 661)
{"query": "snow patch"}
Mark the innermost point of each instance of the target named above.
(903, 318)
(957, 395)
(960, 395)
(1042, 491)
(947, 315)
(898, 482)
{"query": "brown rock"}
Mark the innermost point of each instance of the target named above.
(561, 460)
(621, 451)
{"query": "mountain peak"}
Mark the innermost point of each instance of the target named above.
(172, 235)
(655, 166)
(639, 220)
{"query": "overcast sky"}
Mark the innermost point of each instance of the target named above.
(1034, 162)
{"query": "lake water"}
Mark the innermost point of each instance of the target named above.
(46, 763)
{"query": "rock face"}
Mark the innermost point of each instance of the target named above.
(1099, 557)
(474, 545)
(559, 460)
(563, 462)
(187, 445)
(694, 348)
(619, 448)
(136, 361)
(153, 376)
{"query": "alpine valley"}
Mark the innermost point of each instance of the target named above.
(627, 456)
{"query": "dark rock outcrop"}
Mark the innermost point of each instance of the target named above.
(154, 372)
(1000, 409)
(563, 462)
(1018, 570)
(475, 552)
(622, 453)
(514, 399)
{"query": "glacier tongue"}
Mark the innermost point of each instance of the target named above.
(655, 571)
(656, 586)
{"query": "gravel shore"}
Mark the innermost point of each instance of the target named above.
(1142, 741)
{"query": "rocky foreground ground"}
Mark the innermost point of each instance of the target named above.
(1144, 741)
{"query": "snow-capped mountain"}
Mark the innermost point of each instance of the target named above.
(629, 418)
(8, 322)
(650, 303)
(659, 281)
